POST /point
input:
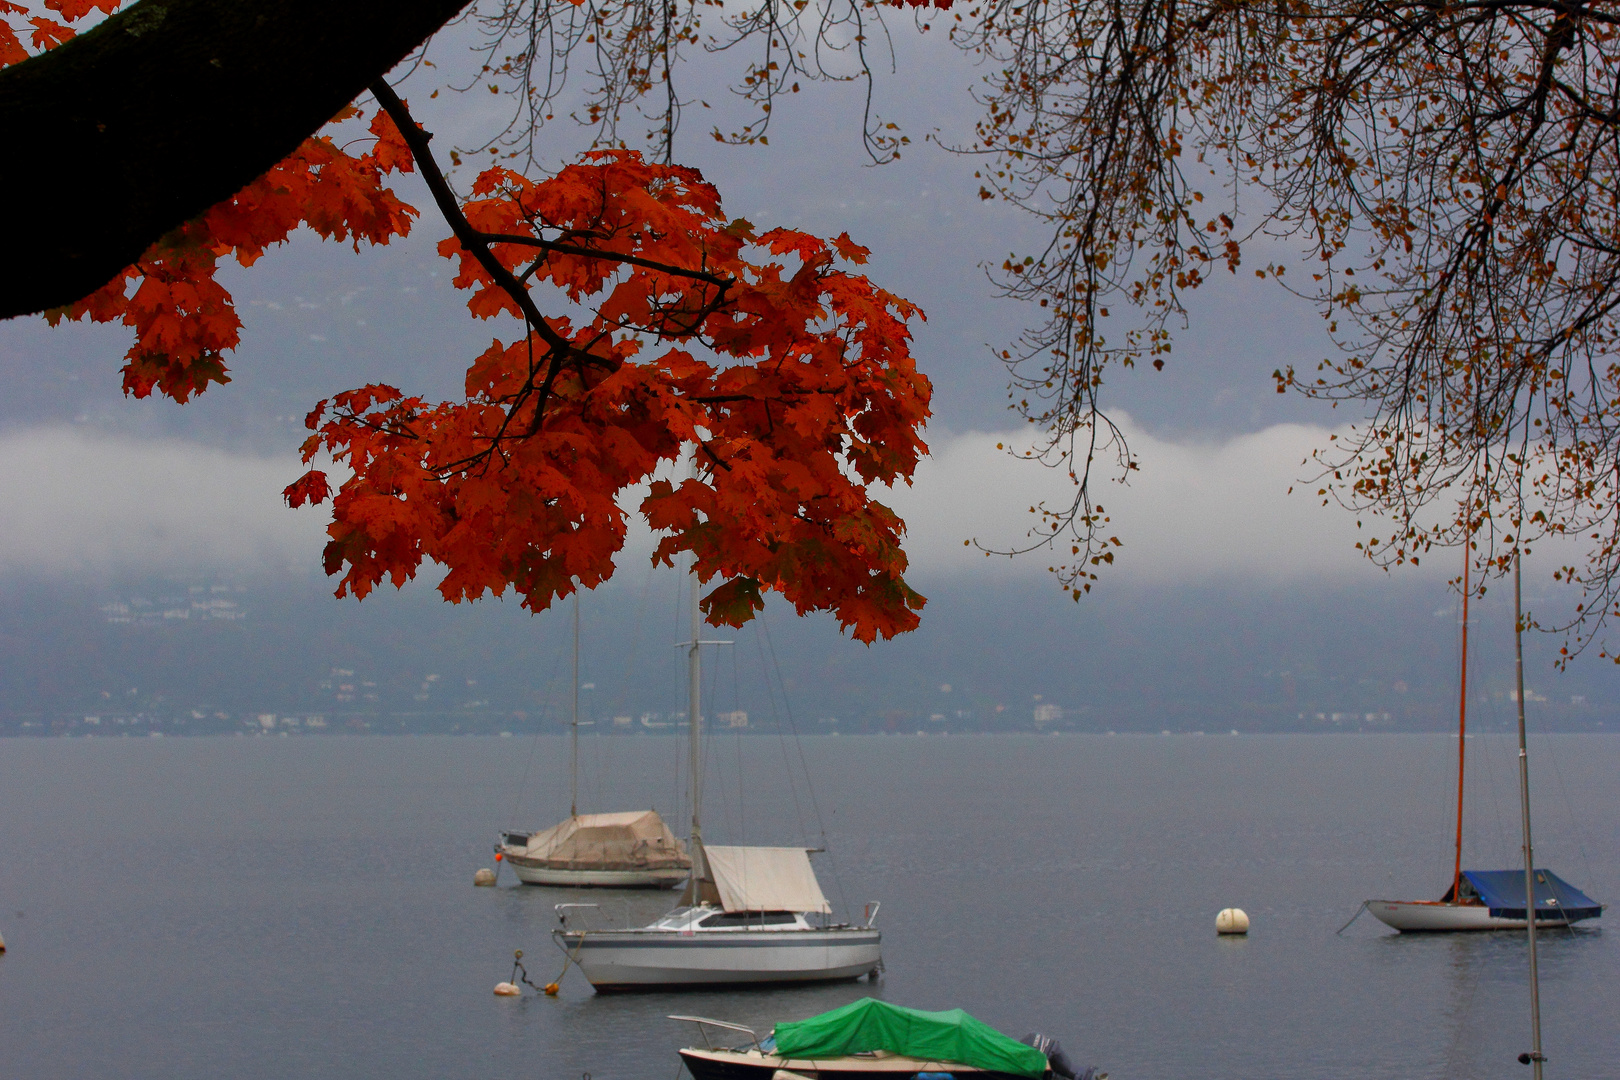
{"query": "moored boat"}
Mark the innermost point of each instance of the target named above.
(626, 850)
(748, 915)
(763, 922)
(872, 1040)
(1488, 899)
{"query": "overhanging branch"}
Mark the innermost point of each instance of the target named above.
(165, 109)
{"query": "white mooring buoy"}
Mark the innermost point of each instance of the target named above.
(506, 989)
(486, 876)
(1232, 920)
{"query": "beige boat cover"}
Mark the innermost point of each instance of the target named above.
(636, 839)
(765, 879)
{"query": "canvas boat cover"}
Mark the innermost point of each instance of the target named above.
(765, 879)
(633, 840)
(946, 1037)
(1556, 899)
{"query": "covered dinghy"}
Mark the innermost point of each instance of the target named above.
(629, 848)
(1557, 901)
(867, 1025)
(634, 838)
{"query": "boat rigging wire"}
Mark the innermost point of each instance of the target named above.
(810, 788)
(605, 751)
(534, 741)
(765, 669)
(736, 737)
(1546, 742)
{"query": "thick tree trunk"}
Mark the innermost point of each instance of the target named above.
(164, 110)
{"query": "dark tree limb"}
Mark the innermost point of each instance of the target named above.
(162, 111)
(606, 256)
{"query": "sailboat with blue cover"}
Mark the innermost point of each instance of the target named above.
(1486, 899)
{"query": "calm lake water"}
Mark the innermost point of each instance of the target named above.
(304, 907)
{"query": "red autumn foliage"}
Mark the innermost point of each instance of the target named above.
(184, 320)
(808, 397)
(787, 377)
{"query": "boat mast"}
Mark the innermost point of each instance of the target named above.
(573, 764)
(1462, 732)
(694, 718)
(1534, 1057)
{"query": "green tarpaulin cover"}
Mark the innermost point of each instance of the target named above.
(869, 1024)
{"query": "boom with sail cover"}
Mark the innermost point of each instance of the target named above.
(759, 879)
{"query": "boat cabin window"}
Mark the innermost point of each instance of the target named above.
(748, 918)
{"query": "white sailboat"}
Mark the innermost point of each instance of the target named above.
(748, 915)
(1489, 899)
(627, 850)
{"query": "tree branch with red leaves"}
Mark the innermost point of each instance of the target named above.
(809, 396)
(758, 354)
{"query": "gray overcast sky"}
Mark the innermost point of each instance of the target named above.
(104, 488)
(320, 318)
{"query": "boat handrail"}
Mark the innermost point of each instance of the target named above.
(872, 908)
(701, 1021)
(562, 916)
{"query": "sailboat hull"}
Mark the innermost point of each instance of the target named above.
(1416, 916)
(605, 879)
(623, 960)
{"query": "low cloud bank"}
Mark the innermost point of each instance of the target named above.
(77, 503)
(1192, 512)
(81, 503)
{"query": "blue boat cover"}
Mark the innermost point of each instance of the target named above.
(1556, 899)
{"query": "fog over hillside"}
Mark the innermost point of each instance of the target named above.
(185, 655)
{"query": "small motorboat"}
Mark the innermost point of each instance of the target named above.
(873, 1040)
